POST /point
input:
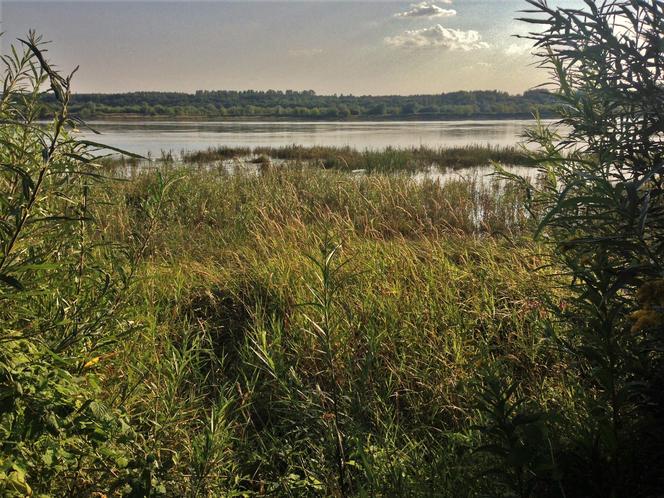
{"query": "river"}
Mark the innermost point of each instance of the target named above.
(152, 137)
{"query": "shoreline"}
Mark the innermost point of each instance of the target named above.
(129, 118)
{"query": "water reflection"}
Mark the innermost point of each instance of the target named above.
(152, 137)
(485, 174)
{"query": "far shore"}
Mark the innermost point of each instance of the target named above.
(309, 119)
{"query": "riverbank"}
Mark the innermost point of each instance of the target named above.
(413, 118)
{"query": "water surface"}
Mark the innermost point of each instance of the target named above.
(152, 137)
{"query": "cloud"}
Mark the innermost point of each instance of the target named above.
(516, 49)
(438, 37)
(428, 10)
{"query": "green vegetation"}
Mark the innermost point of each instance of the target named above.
(307, 105)
(292, 354)
(385, 160)
(303, 331)
(602, 215)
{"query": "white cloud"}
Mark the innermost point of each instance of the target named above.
(427, 9)
(516, 49)
(438, 37)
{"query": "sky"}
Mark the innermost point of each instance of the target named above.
(331, 47)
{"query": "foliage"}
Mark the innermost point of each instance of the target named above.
(517, 439)
(62, 292)
(307, 105)
(432, 296)
(602, 208)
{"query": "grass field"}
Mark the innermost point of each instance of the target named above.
(262, 355)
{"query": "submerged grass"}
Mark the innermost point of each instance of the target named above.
(385, 160)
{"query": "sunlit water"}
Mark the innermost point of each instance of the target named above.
(144, 137)
(484, 172)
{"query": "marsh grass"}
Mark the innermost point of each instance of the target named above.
(390, 159)
(414, 312)
(263, 371)
(232, 208)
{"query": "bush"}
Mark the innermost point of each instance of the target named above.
(62, 296)
(602, 213)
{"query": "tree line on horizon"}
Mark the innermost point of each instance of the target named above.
(307, 104)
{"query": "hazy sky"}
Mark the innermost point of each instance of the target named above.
(328, 46)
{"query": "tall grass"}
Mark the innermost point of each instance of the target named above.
(414, 326)
(271, 373)
(233, 208)
(386, 160)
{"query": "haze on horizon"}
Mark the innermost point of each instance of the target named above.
(331, 47)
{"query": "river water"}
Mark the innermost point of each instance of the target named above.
(153, 137)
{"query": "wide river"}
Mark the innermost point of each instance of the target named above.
(152, 137)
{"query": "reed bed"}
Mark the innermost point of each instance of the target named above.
(390, 159)
(262, 356)
(231, 207)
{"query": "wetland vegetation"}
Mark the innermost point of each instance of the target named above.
(307, 331)
(386, 160)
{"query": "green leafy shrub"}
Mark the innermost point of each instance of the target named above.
(62, 295)
(601, 210)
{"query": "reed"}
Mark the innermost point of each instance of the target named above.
(337, 379)
(385, 160)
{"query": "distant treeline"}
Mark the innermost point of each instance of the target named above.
(306, 104)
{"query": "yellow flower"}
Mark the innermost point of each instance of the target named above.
(92, 362)
(651, 298)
